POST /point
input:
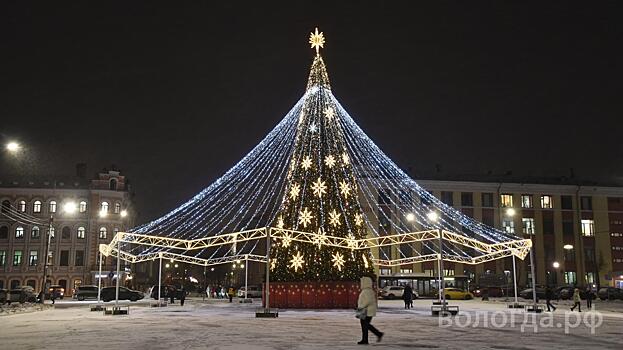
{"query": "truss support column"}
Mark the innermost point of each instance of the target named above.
(159, 279)
(442, 296)
(118, 269)
(267, 293)
(99, 279)
(533, 277)
(246, 276)
(515, 278)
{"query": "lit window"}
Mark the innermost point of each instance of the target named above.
(570, 277)
(547, 202)
(34, 233)
(385, 272)
(508, 225)
(406, 270)
(103, 232)
(33, 258)
(506, 200)
(2, 257)
(590, 277)
(19, 232)
(36, 207)
(81, 232)
(588, 227)
(117, 208)
(52, 207)
(528, 225)
(526, 201)
(82, 207)
(21, 206)
(17, 258)
(104, 207)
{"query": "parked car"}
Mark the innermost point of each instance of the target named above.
(165, 291)
(22, 294)
(60, 291)
(493, 292)
(456, 294)
(108, 294)
(254, 292)
(527, 293)
(85, 292)
(395, 292)
(3, 296)
(610, 293)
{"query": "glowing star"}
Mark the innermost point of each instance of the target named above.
(316, 40)
(358, 219)
(305, 217)
(329, 161)
(338, 261)
(294, 191)
(344, 188)
(286, 240)
(351, 242)
(319, 239)
(307, 163)
(329, 113)
(280, 223)
(345, 159)
(297, 262)
(313, 128)
(334, 218)
(319, 187)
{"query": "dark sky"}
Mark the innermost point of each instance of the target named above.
(176, 93)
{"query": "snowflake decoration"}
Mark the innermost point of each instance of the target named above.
(280, 223)
(351, 242)
(320, 238)
(329, 113)
(358, 219)
(319, 187)
(286, 240)
(313, 128)
(338, 261)
(307, 163)
(305, 217)
(294, 191)
(329, 161)
(297, 262)
(334, 218)
(273, 264)
(344, 188)
(345, 159)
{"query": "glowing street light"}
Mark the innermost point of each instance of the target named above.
(70, 207)
(13, 147)
(567, 246)
(510, 212)
(556, 264)
(124, 213)
(432, 216)
(410, 217)
(103, 213)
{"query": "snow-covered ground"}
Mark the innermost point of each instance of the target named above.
(217, 324)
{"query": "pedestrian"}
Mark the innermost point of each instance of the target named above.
(576, 300)
(208, 292)
(589, 297)
(182, 296)
(407, 296)
(549, 294)
(231, 293)
(366, 306)
(53, 296)
(172, 294)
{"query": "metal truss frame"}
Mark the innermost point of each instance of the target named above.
(519, 248)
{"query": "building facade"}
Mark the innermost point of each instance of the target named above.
(78, 214)
(577, 232)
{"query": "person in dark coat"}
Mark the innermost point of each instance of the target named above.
(589, 297)
(182, 296)
(549, 295)
(407, 296)
(172, 294)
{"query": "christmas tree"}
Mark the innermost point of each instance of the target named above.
(321, 192)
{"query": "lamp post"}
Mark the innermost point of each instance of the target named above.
(510, 212)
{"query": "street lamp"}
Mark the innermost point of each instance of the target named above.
(124, 213)
(13, 147)
(410, 217)
(68, 208)
(567, 247)
(510, 212)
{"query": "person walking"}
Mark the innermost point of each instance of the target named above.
(182, 296)
(172, 294)
(407, 296)
(231, 293)
(367, 303)
(589, 297)
(576, 300)
(549, 295)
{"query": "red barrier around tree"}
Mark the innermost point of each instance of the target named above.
(314, 295)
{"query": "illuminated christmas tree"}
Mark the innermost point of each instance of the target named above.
(321, 192)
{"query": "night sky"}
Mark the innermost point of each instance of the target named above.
(174, 94)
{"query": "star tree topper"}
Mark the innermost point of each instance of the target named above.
(316, 40)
